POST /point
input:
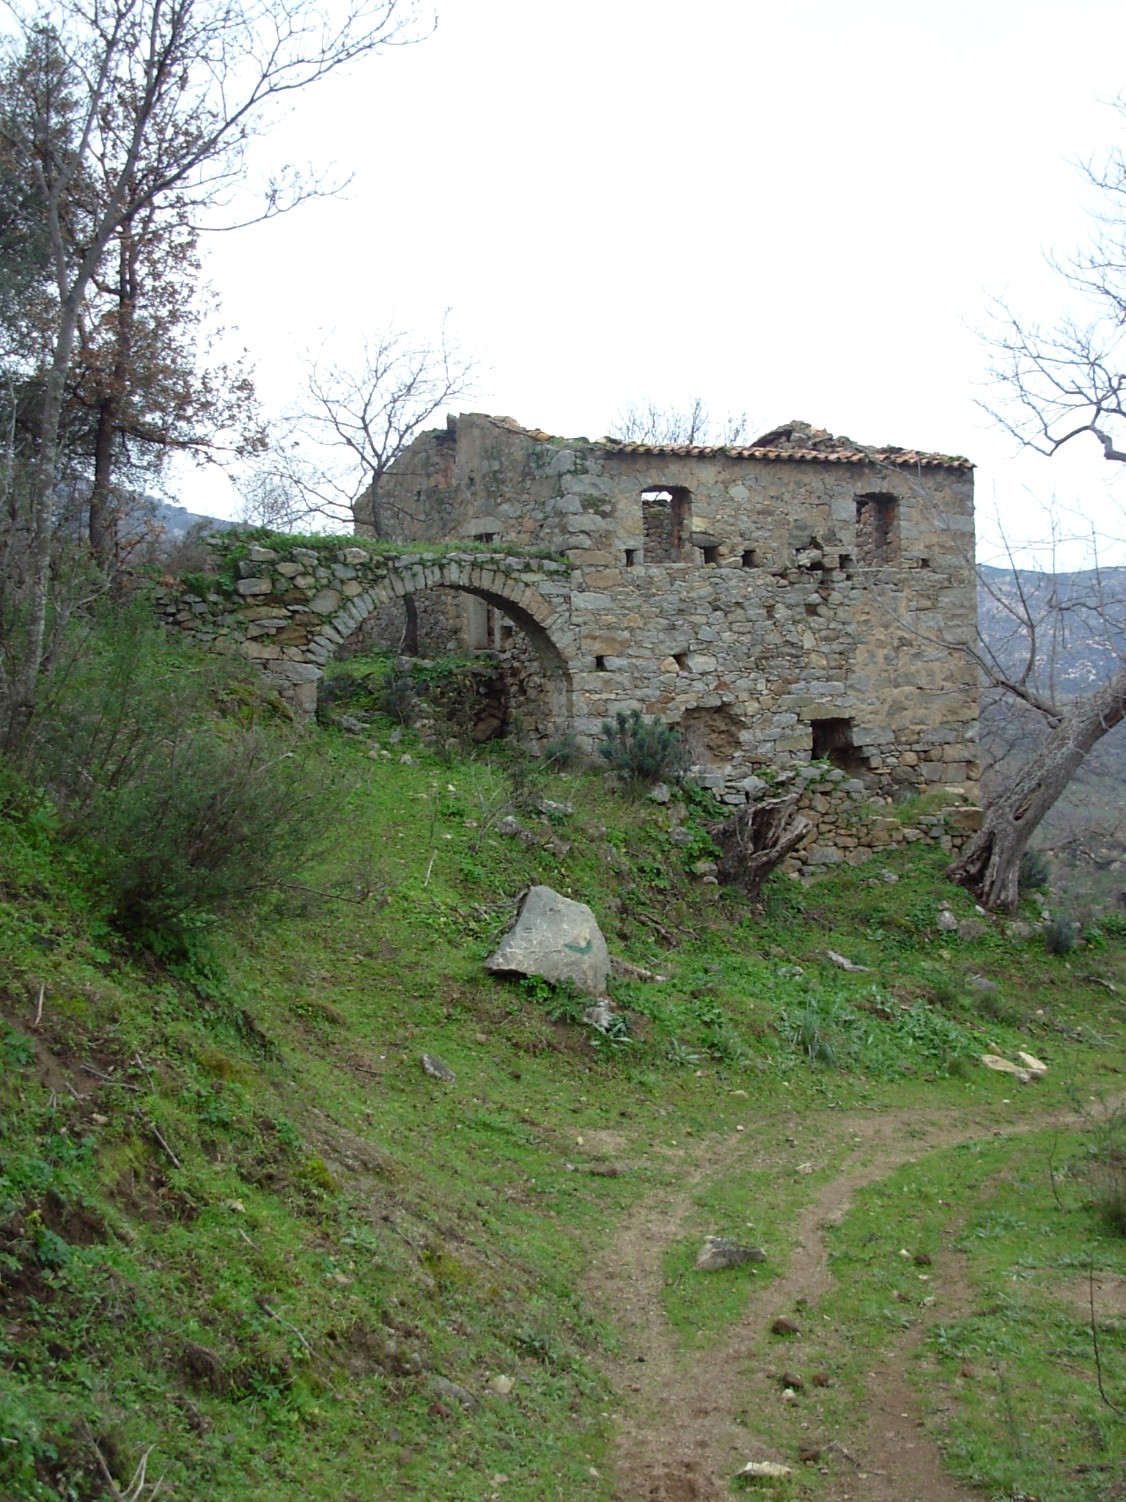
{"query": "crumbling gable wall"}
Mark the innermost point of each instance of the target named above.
(800, 597)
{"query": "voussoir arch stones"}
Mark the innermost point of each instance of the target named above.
(293, 606)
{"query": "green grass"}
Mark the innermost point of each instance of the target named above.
(271, 1311)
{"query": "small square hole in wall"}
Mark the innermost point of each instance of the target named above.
(924, 563)
(711, 555)
(812, 609)
(846, 562)
(600, 664)
(681, 660)
(750, 558)
(633, 557)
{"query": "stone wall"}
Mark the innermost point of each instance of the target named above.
(798, 598)
(291, 607)
(849, 826)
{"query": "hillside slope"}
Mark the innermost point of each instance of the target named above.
(242, 1231)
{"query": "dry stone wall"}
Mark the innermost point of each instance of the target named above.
(292, 606)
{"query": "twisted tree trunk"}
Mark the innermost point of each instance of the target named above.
(989, 866)
(756, 840)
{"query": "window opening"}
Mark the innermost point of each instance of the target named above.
(600, 664)
(681, 660)
(877, 540)
(750, 558)
(632, 557)
(711, 555)
(832, 742)
(665, 512)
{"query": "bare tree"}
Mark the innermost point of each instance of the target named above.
(1058, 384)
(116, 107)
(651, 422)
(351, 425)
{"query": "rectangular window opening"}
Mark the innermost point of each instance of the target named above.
(633, 557)
(600, 664)
(833, 742)
(711, 555)
(750, 558)
(665, 516)
(877, 530)
(681, 660)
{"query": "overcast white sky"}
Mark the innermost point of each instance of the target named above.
(796, 209)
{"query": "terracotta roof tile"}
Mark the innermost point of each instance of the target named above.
(799, 443)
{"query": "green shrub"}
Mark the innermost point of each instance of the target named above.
(172, 809)
(202, 829)
(643, 750)
(1035, 872)
(562, 751)
(1060, 936)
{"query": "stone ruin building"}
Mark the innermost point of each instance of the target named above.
(799, 598)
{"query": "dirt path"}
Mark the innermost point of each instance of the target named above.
(686, 1420)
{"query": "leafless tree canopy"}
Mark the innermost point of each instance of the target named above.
(352, 423)
(111, 110)
(1059, 380)
(1056, 382)
(652, 422)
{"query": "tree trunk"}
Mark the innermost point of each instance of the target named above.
(756, 840)
(989, 866)
(103, 517)
(19, 705)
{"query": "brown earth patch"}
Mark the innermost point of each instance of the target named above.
(686, 1421)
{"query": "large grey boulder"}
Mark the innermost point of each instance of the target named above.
(557, 939)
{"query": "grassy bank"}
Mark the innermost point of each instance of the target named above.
(240, 1225)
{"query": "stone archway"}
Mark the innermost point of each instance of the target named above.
(543, 623)
(290, 606)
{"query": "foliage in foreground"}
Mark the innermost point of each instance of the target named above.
(239, 1223)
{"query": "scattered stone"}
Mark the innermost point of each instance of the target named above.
(923, 1259)
(971, 929)
(792, 1380)
(1020, 930)
(843, 964)
(891, 879)
(435, 1068)
(983, 985)
(454, 1394)
(509, 827)
(704, 868)
(350, 724)
(784, 1326)
(660, 793)
(554, 810)
(789, 1395)
(719, 1252)
(628, 971)
(820, 1379)
(765, 1468)
(600, 1016)
(680, 836)
(1005, 1066)
(1036, 1067)
(502, 1385)
(946, 922)
(557, 939)
(395, 737)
